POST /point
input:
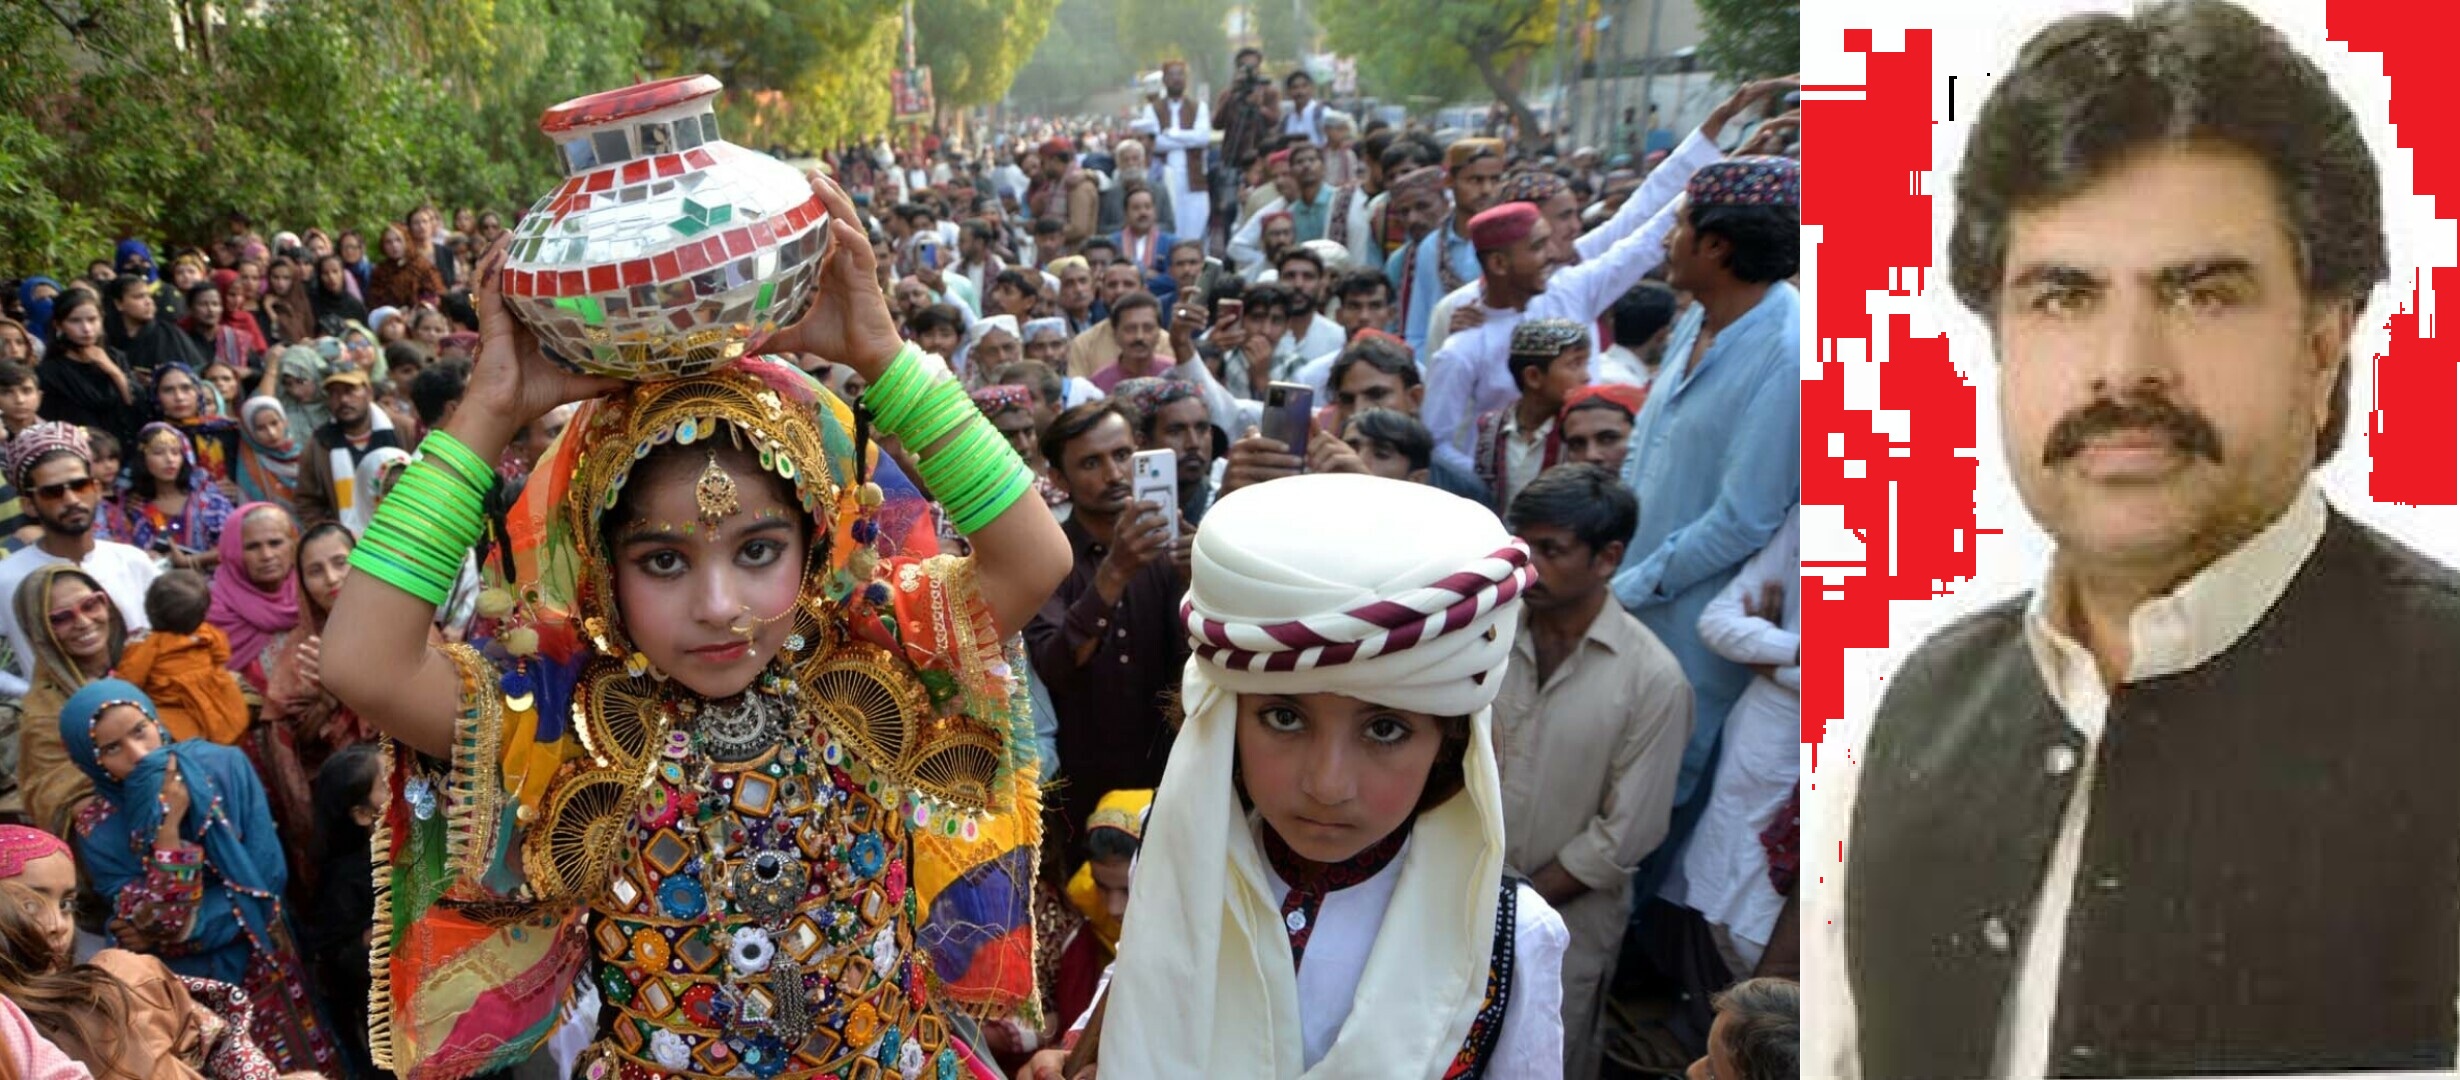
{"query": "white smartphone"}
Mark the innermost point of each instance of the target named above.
(1154, 478)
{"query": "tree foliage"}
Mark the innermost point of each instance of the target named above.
(1751, 39)
(1434, 47)
(1077, 58)
(976, 47)
(1151, 31)
(155, 119)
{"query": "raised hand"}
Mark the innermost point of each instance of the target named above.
(849, 321)
(512, 379)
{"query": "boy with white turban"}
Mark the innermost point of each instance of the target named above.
(1322, 892)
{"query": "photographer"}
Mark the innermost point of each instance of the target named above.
(1247, 115)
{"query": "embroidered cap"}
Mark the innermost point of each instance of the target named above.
(1547, 337)
(39, 440)
(21, 844)
(1758, 180)
(994, 400)
(1532, 186)
(1422, 178)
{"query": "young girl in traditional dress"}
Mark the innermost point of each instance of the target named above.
(1322, 891)
(729, 751)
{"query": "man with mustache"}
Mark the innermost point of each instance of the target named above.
(1108, 644)
(51, 463)
(2185, 808)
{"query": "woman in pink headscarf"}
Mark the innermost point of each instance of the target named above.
(255, 600)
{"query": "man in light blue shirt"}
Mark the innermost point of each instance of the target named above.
(1427, 268)
(1716, 453)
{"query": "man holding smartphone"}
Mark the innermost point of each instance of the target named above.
(1107, 643)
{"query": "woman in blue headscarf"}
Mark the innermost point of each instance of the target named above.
(179, 836)
(37, 302)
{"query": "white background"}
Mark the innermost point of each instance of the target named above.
(1972, 41)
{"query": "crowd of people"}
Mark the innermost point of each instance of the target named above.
(1600, 363)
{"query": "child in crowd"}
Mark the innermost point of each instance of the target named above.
(1099, 892)
(334, 933)
(107, 517)
(1549, 360)
(184, 663)
(1393, 444)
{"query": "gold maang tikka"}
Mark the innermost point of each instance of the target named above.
(715, 493)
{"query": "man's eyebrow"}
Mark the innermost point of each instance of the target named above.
(2176, 275)
(2056, 275)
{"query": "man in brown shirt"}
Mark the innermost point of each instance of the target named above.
(1589, 732)
(1108, 643)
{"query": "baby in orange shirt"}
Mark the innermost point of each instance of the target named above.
(182, 663)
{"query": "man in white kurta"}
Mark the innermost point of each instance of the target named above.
(1182, 129)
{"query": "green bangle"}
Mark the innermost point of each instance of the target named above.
(367, 558)
(463, 462)
(949, 469)
(972, 520)
(946, 406)
(891, 395)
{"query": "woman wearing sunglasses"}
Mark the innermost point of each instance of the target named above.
(78, 635)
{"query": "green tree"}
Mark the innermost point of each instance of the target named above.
(805, 74)
(1423, 46)
(976, 47)
(1078, 57)
(1151, 31)
(1751, 39)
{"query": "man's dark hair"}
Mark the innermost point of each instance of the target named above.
(915, 213)
(1360, 284)
(1034, 375)
(1583, 499)
(1189, 242)
(1766, 241)
(1291, 80)
(414, 353)
(1274, 295)
(1246, 51)
(1131, 187)
(435, 389)
(1132, 302)
(934, 317)
(981, 231)
(2090, 89)
(1372, 147)
(176, 601)
(125, 284)
(1068, 425)
(1405, 434)
(1377, 353)
(1019, 280)
(14, 375)
(1641, 313)
(1300, 254)
(1049, 226)
(1765, 1036)
(1102, 242)
(1409, 151)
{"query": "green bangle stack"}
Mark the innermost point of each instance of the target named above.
(429, 521)
(976, 475)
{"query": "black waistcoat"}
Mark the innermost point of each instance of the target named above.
(2270, 878)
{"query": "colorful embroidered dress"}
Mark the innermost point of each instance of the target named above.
(801, 881)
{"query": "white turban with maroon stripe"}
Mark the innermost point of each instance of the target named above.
(1393, 593)
(1346, 584)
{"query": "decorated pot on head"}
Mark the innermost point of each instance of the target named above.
(667, 251)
